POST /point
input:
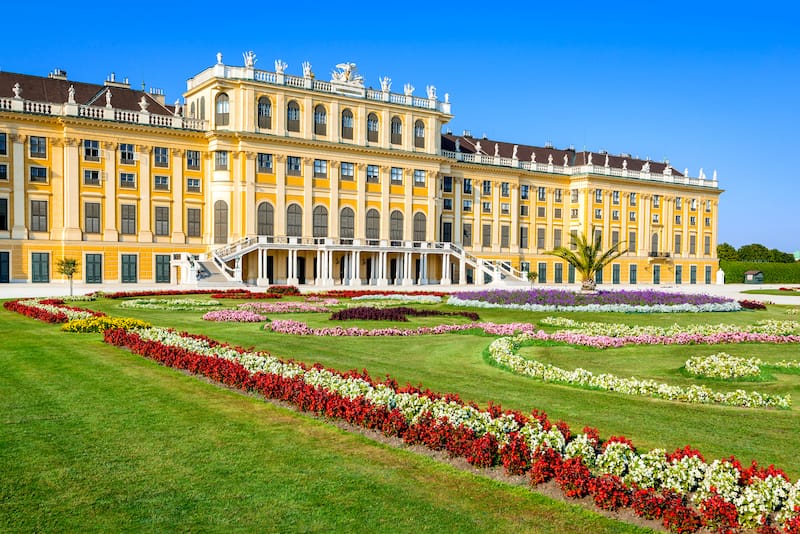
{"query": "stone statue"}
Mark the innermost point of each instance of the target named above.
(496, 150)
(347, 74)
(219, 58)
(249, 59)
(447, 98)
(714, 176)
(646, 166)
(178, 108)
(307, 72)
(478, 147)
(458, 145)
(408, 89)
(701, 174)
(624, 164)
(17, 90)
(589, 159)
(606, 163)
(686, 171)
(71, 95)
(549, 159)
(108, 98)
(386, 84)
(514, 153)
(280, 66)
(533, 157)
(431, 90)
(143, 104)
(667, 170)
(566, 160)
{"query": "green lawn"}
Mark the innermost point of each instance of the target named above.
(96, 439)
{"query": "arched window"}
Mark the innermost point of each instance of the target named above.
(373, 224)
(294, 220)
(347, 124)
(202, 108)
(419, 134)
(222, 109)
(320, 218)
(320, 120)
(347, 222)
(220, 222)
(372, 128)
(654, 243)
(264, 112)
(419, 226)
(396, 226)
(292, 116)
(397, 131)
(192, 110)
(266, 219)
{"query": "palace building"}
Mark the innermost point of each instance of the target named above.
(262, 177)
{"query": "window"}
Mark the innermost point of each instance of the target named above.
(320, 120)
(39, 216)
(487, 187)
(632, 216)
(3, 214)
(193, 159)
(614, 215)
(541, 194)
(264, 162)
(541, 211)
(265, 219)
(38, 146)
(347, 171)
(557, 195)
(524, 192)
(91, 150)
(127, 180)
(708, 205)
(505, 208)
(614, 237)
(523, 237)
(419, 178)
(707, 221)
(542, 274)
(161, 183)
(656, 201)
(397, 131)
(3, 171)
(707, 245)
(632, 241)
(692, 244)
(40, 267)
(504, 235)
(486, 207)
(505, 189)
(540, 237)
(598, 213)
(573, 195)
(677, 219)
(222, 116)
(420, 221)
(162, 220)
(447, 204)
(292, 116)
(91, 177)
(39, 174)
(397, 176)
(447, 184)
(693, 204)
(94, 268)
(347, 223)
(467, 187)
(598, 235)
(556, 237)
(523, 210)
(220, 222)
(193, 185)
(221, 160)
(3, 144)
(91, 217)
(466, 240)
(692, 220)
(467, 204)
(573, 236)
(677, 244)
(162, 268)
(320, 168)
(193, 222)
(264, 112)
(347, 124)
(373, 176)
(486, 237)
(678, 203)
(556, 213)
(294, 220)
(598, 195)
(655, 218)
(615, 197)
(320, 222)
(558, 273)
(419, 134)
(396, 226)
(161, 156)
(126, 154)
(127, 219)
(372, 128)
(129, 271)
(373, 227)
(573, 213)
(632, 274)
(293, 165)
(632, 200)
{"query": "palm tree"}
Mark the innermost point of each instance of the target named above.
(588, 257)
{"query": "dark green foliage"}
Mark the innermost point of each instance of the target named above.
(774, 273)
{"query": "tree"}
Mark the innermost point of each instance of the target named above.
(754, 252)
(588, 257)
(67, 267)
(727, 252)
(532, 276)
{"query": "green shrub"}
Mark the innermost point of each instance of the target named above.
(774, 273)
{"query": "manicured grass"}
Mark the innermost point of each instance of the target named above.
(774, 292)
(94, 438)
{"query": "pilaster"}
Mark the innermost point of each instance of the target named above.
(110, 232)
(20, 228)
(145, 208)
(178, 234)
(71, 192)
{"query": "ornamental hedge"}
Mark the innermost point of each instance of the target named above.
(774, 273)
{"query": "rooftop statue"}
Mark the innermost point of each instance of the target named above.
(606, 163)
(386, 84)
(478, 147)
(71, 95)
(108, 98)
(17, 90)
(408, 89)
(307, 72)
(280, 66)
(178, 108)
(458, 145)
(533, 157)
(549, 159)
(514, 153)
(431, 89)
(496, 150)
(219, 58)
(566, 160)
(249, 59)
(624, 164)
(143, 104)
(589, 159)
(347, 73)
(646, 166)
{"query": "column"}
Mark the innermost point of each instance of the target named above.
(445, 269)
(280, 195)
(513, 237)
(423, 269)
(55, 178)
(71, 199)
(458, 231)
(20, 228)
(145, 229)
(432, 230)
(381, 275)
(355, 268)
(407, 280)
(329, 278)
(262, 280)
(308, 200)
(178, 235)
(250, 194)
(462, 272)
(236, 213)
(110, 232)
(359, 230)
(333, 214)
(385, 180)
(495, 216)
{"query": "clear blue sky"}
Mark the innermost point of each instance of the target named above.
(713, 86)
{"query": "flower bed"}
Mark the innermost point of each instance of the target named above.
(402, 298)
(355, 293)
(234, 316)
(645, 301)
(283, 307)
(49, 310)
(300, 328)
(620, 330)
(170, 304)
(229, 293)
(103, 323)
(503, 352)
(367, 313)
(723, 365)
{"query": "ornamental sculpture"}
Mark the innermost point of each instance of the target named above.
(108, 98)
(280, 66)
(249, 59)
(386, 84)
(71, 95)
(307, 72)
(347, 74)
(496, 150)
(17, 90)
(143, 104)
(514, 153)
(431, 90)
(408, 89)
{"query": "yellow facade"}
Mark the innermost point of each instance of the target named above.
(258, 159)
